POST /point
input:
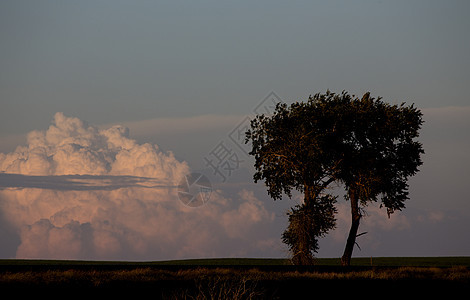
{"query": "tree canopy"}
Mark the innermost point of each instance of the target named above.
(367, 145)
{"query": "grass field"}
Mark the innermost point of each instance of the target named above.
(239, 278)
(444, 261)
(449, 261)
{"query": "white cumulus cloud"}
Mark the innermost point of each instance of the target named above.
(71, 146)
(89, 193)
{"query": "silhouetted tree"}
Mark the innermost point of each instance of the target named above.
(365, 144)
(306, 224)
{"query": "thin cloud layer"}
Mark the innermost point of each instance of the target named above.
(79, 192)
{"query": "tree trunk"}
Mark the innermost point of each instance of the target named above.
(356, 217)
(310, 193)
(303, 254)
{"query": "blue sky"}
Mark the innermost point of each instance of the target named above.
(184, 74)
(174, 58)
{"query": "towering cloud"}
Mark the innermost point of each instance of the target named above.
(86, 193)
(71, 146)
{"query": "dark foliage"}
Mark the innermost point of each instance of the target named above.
(365, 144)
(306, 224)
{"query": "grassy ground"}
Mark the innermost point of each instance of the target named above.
(357, 261)
(449, 261)
(235, 278)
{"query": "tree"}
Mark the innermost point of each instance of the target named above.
(364, 144)
(306, 224)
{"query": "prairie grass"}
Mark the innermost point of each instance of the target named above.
(141, 275)
(247, 282)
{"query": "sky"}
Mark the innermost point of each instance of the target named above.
(106, 106)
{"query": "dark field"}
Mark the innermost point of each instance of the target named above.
(241, 278)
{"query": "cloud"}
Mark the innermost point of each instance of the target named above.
(430, 217)
(79, 192)
(133, 223)
(79, 182)
(451, 115)
(447, 128)
(184, 125)
(237, 223)
(72, 147)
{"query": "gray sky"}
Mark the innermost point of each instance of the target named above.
(184, 74)
(115, 61)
